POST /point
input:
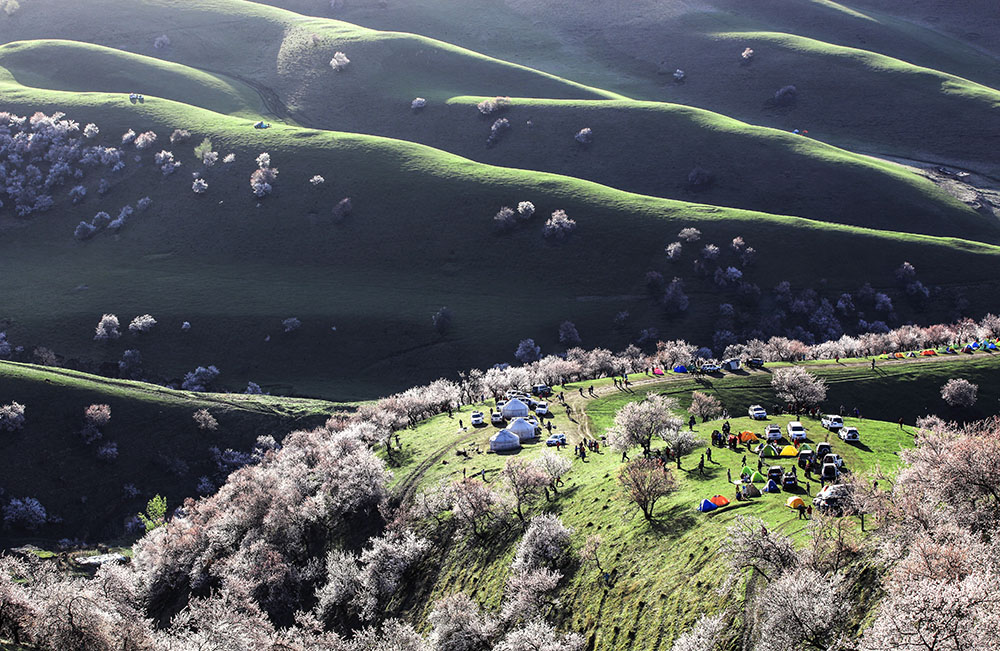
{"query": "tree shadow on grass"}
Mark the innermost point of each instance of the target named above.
(673, 522)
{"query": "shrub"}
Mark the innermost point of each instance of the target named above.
(585, 136)
(205, 420)
(200, 378)
(418, 103)
(144, 203)
(500, 126)
(527, 351)
(339, 62)
(559, 226)
(493, 105)
(107, 328)
(747, 54)
(253, 389)
(162, 41)
(317, 180)
(710, 252)
(145, 140)
(179, 135)
(108, 451)
(165, 160)
(24, 512)
(12, 417)
(229, 158)
(130, 364)
(343, 208)
(98, 415)
(291, 324)
(960, 393)
(128, 137)
(262, 178)
(674, 298)
(545, 544)
(199, 186)
(84, 231)
(568, 334)
(77, 193)
(142, 323)
(786, 95)
(505, 220)
(689, 234)
(91, 131)
(906, 271)
(673, 250)
(525, 210)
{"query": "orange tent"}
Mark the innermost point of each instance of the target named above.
(719, 500)
(747, 436)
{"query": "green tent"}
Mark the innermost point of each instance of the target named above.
(769, 451)
(805, 447)
(747, 470)
(756, 477)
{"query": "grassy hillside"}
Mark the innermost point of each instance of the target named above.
(905, 109)
(56, 65)
(665, 572)
(160, 448)
(754, 168)
(421, 237)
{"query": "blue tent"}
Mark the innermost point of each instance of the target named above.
(992, 346)
(261, 125)
(680, 369)
(706, 506)
(975, 345)
(772, 487)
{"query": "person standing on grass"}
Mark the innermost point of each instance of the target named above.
(744, 462)
(729, 475)
(708, 453)
(679, 462)
(802, 511)
(701, 466)
(624, 456)
(691, 422)
(900, 422)
(873, 363)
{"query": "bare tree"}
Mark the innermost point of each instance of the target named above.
(645, 482)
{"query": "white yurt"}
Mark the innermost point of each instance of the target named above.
(514, 409)
(504, 440)
(522, 428)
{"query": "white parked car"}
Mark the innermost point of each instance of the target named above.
(710, 368)
(796, 431)
(497, 419)
(832, 422)
(757, 412)
(772, 432)
(477, 418)
(835, 459)
(542, 409)
(850, 434)
(555, 439)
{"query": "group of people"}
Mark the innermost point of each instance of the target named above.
(586, 445)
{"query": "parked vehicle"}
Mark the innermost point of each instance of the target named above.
(835, 459)
(850, 434)
(806, 458)
(477, 419)
(790, 479)
(832, 422)
(796, 431)
(757, 412)
(497, 419)
(542, 409)
(823, 449)
(772, 432)
(834, 498)
(829, 472)
(541, 390)
(710, 368)
(776, 473)
(755, 363)
(556, 439)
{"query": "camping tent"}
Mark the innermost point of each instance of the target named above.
(769, 451)
(805, 447)
(719, 500)
(772, 487)
(747, 436)
(789, 451)
(794, 502)
(747, 470)
(514, 409)
(657, 371)
(751, 491)
(756, 477)
(522, 428)
(706, 506)
(504, 440)
(680, 369)
(731, 364)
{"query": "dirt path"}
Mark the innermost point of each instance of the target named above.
(405, 490)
